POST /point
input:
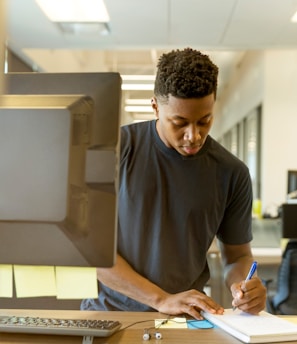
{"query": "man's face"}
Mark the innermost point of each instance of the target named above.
(184, 123)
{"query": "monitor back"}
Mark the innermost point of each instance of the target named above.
(103, 88)
(289, 220)
(60, 180)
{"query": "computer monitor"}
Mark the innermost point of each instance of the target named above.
(292, 184)
(289, 220)
(59, 147)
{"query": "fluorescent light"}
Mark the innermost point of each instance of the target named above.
(294, 18)
(138, 87)
(74, 10)
(85, 28)
(145, 109)
(138, 77)
(146, 85)
(138, 101)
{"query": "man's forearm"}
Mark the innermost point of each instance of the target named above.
(125, 280)
(236, 272)
(236, 260)
(122, 278)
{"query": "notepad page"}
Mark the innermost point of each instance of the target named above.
(262, 328)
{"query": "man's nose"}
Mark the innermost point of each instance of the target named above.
(192, 133)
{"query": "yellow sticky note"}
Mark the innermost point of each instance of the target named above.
(6, 285)
(283, 243)
(177, 322)
(34, 281)
(291, 318)
(76, 283)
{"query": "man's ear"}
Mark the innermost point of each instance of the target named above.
(154, 105)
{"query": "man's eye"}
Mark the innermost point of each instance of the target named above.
(179, 123)
(205, 121)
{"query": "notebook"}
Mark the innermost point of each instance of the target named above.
(262, 328)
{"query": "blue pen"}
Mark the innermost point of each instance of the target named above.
(250, 274)
(252, 271)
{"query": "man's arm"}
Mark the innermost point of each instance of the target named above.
(248, 296)
(122, 278)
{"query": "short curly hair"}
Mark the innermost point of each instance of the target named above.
(185, 74)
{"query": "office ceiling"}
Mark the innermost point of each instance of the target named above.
(140, 30)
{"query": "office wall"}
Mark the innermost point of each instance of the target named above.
(267, 77)
(243, 93)
(279, 122)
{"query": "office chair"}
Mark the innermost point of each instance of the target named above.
(284, 301)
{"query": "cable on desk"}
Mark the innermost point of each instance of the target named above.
(144, 321)
(193, 322)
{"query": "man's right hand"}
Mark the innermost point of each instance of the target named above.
(190, 302)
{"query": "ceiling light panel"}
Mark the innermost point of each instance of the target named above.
(74, 10)
(138, 77)
(138, 101)
(294, 18)
(138, 108)
(137, 87)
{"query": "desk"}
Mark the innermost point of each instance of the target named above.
(131, 335)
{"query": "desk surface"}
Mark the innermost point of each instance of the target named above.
(131, 335)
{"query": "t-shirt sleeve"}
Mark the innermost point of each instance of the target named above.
(235, 228)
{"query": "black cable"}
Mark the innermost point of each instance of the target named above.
(143, 321)
(163, 322)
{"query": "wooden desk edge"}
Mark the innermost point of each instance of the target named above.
(133, 335)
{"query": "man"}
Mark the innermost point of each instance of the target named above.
(179, 189)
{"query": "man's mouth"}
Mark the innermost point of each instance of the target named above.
(191, 150)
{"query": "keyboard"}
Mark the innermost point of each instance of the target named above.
(58, 326)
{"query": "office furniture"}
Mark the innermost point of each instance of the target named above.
(131, 335)
(289, 218)
(284, 300)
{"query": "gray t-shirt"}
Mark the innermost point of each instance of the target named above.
(170, 209)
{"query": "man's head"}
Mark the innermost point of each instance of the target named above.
(185, 91)
(185, 74)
